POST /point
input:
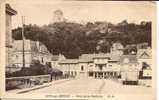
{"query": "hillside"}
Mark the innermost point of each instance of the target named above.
(74, 39)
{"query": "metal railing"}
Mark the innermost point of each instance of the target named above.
(26, 81)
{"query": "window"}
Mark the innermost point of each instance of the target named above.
(91, 74)
(126, 60)
(42, 59)
(72, 73)
(82, 68)
(100, 67)
(8, 20)
(110, 65)
(16, 56)
(145, 65)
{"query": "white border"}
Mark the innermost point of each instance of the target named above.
(117, 97)
(157, 71)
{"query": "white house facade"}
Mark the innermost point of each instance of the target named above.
(33, 50)
(9, 12)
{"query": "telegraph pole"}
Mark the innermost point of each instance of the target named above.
(23, 40)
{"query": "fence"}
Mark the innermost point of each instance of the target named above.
(26, 81)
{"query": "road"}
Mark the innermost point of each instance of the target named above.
(92, 86)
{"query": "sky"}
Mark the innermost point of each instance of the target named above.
(40, 12)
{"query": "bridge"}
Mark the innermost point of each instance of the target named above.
(26, 81)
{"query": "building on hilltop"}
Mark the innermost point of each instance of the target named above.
(58, 16)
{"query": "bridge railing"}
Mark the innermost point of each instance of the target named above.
(26, 81)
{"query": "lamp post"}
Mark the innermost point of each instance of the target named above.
(23, 40)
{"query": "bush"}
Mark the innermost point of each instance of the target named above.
(35, 69)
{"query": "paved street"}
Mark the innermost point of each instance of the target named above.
(92, 86)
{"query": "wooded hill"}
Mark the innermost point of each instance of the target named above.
(74, 39)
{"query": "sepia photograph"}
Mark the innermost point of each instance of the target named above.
(79, 49)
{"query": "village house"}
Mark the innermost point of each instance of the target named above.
(142, 46)
(133, 48)
(33, 50)
(69, 67)
(145, 62)
(106, 66)
(56, 59)
(85, 66)
(109, 65)
(129, 69)
(113, 69)
(102, 65)
(144, 58)
(130, 49)
(129, 62)
(117, 49)
(8, 40)
(100, 62)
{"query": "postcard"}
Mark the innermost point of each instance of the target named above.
(78, 49)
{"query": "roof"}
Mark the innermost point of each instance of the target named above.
(101, 57)
(10, 10)
(114, 57)
(55, 57)
(85, 60)
(55, 70)
(129, 46)
(128, 59)
(29, 45)
(144, 53)
(112, 61)
(69, 61)
(86, 56)
(117, 46)
(90, 57)
(142, 45)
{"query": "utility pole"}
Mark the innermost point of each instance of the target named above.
(23, 40)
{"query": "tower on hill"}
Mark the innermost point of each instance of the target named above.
(58, 16)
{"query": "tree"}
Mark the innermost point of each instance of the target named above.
(74, 39)
(36, 68)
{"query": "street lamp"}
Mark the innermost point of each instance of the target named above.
(23, 40)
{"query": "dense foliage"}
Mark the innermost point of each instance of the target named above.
(73, 39)
(35, 69)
